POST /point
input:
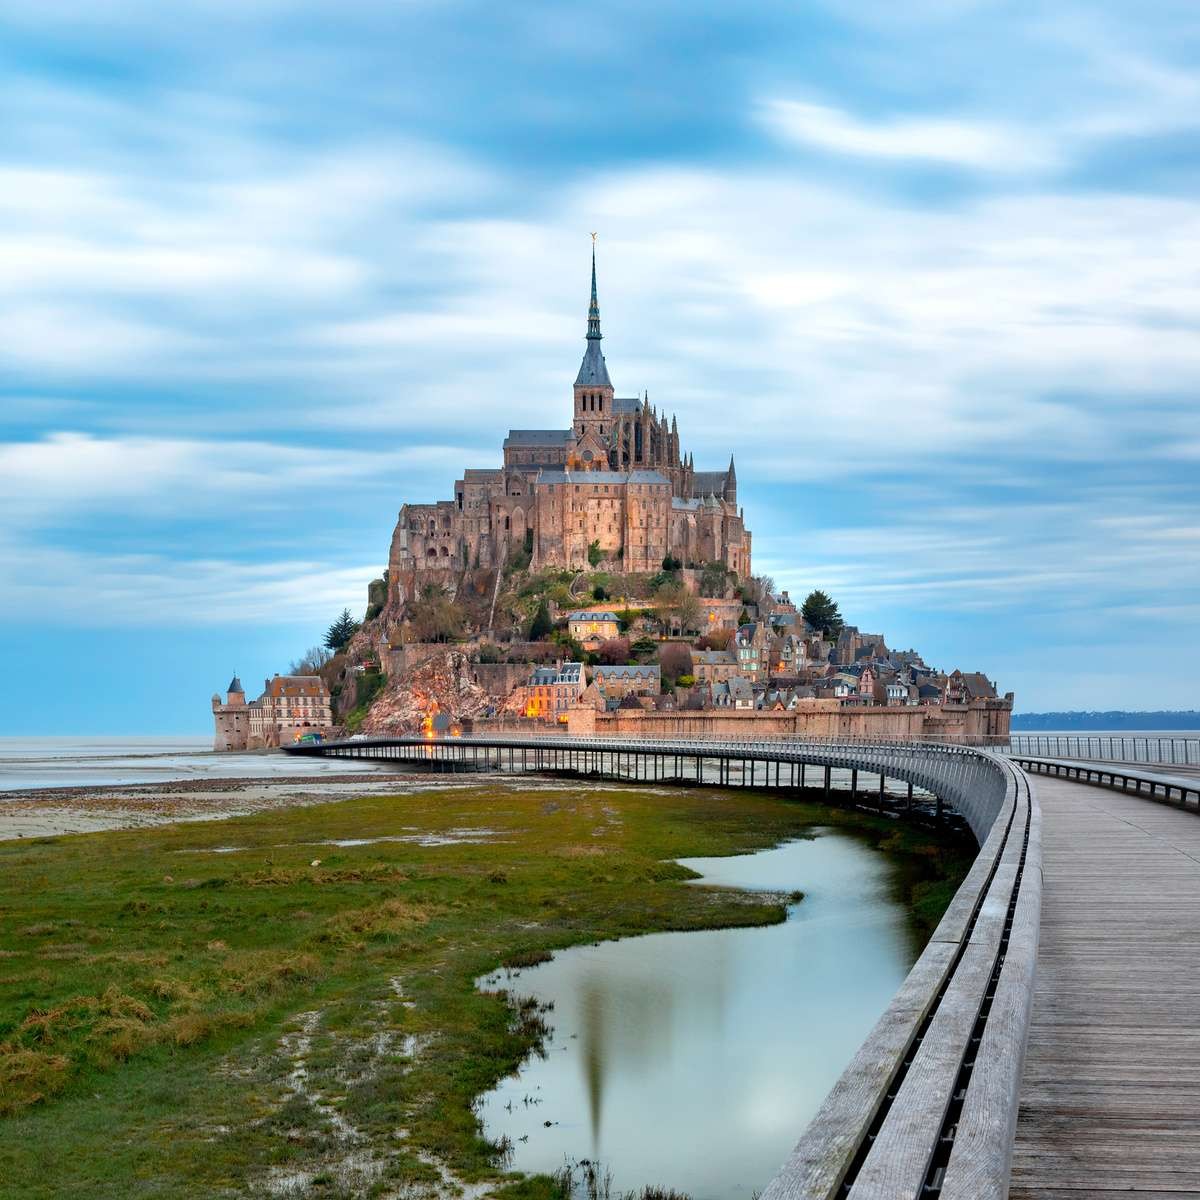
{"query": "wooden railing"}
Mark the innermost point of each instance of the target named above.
(1154, 784)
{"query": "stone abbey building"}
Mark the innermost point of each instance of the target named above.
(617, 480)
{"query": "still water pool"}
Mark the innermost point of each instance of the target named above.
(694, 1060)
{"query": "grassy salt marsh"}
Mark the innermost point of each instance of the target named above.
(245, 1007)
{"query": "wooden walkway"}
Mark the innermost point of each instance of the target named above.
(1110, 1097)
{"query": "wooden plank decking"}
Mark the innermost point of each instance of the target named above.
(1110, 1097)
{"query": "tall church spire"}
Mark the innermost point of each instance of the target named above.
(594, 307)
(592, 371)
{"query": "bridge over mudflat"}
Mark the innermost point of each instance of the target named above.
(1044, 1043)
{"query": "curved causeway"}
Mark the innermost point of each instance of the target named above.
(1076, 934)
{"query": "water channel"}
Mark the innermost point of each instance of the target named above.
(694, 1060)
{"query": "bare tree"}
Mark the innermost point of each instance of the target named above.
(614, 651)
(678, 609)
(674, 659)
(311, 661)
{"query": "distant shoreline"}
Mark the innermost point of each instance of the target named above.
(1114, 721)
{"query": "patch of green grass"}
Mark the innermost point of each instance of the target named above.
(178, 1023)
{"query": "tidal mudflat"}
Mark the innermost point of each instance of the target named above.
(298, 1015)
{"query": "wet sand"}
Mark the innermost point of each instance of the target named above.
(46, 812)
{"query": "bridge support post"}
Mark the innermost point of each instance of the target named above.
(828, 779)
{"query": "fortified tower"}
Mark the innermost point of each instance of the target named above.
(231, 720)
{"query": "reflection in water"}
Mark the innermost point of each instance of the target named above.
(694, 1060)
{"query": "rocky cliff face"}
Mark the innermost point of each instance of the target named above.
(443, 680)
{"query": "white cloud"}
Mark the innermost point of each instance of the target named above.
(78, 588)
(72, 475)
(979, 145)
(326, 281)
(1015, 336)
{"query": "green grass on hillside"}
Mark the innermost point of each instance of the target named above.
(181, 1023)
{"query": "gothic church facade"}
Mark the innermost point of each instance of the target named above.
(616, 481)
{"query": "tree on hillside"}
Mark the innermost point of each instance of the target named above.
(821, 613)
(434, 616)
(311, 661)
(678, 608)
(674, 659)
(715, 639)
(687, 612)
(714, 580)
(644, 649)
(613, 652)
(541, 625)
(341, 631)
(758, 589)
(571, 648)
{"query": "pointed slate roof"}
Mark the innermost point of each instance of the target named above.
(235, 685)
(592, 371)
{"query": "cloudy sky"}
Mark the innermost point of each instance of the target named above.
(269, 269)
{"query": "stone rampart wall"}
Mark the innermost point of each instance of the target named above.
(820, 719)
(499, 679)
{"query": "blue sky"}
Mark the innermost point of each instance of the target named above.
(268, 270)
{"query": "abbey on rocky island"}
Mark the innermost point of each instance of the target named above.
(614, 486)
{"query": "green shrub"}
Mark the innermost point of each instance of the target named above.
(367, 686)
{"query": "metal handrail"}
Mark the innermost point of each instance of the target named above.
(1162, 749)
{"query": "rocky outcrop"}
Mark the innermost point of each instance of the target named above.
(441, 683)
